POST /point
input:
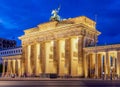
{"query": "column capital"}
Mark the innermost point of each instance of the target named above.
(61, 39)
(9, 60)
(73, 36)
(18, 59)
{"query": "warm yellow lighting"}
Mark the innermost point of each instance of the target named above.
(52, 42)
(53, 47)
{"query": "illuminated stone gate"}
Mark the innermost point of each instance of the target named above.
(102, 59)
(57, 47)
(11, 59)
(12, 65)
(66, 47)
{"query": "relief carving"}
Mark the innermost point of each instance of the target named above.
(76, 45)
(75, 54)
(63, 55)
(51, 48)
(51, 56)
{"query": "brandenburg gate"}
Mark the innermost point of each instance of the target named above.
(57, 46)
(66, 47)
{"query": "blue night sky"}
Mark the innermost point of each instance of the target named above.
(18, 15)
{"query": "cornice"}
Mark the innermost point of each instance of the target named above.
(115, 47)
(12, 57)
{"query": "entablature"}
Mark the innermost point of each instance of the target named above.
(74, 28)
(12, 57)
(54, 30)
(115, 47)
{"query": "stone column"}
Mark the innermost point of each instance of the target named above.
(37, 60)
(61, 57)
(118, 63)
(86, 65)
(13, 62)
(33, 59)
(99, 65)
(9, 67)
(80, 56)
(29, 72)
(3, 72)
(74, 57)
(96, 65)
(114, 68)
(48, 57)
(102, 64)
(67, 56)
(55, 57)
(107, 64)
(24, 59)
(92, 65)
(102, 69)
(19, 67)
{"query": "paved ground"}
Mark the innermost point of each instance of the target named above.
(34, 79)
(61, 83)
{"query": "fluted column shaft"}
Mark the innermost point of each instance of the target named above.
(9, 67)
(86, 65)
(118, 63)
(29, 72)
(14, 65)
(92, 65)
(105, 66)
(74, 56)
(61, 57)
(48, 57)
(80, 56)
(96, 64)
(3, 72)
(37, 60)
(19, 67)
(107, 63)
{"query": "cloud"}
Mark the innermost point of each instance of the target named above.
(8, 24)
